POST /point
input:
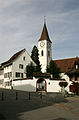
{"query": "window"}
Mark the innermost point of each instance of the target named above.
(48, 53)
(1, 81)
(5, 75)
(20, 66)
(8, 83)
(42, 53)
(21, 75)
(8, 75)
(17, 74)
(24, 58)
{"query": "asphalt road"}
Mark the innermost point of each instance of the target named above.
(39, 109)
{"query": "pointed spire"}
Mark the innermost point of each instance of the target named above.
(44, 35)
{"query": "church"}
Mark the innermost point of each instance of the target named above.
(12, 72)
(69, 68)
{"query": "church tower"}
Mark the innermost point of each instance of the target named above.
(45, 48)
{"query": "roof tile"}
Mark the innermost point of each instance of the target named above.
(66, 64)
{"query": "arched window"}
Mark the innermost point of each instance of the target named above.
(42, 53)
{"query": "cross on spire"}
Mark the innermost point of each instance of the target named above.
(44, 35)
(44, 19)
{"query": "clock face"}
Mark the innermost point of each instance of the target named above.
(42, 44)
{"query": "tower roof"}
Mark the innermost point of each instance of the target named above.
(44, 35)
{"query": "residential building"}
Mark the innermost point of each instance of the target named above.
(15, 67)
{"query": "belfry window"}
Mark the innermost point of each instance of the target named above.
(48, 53)
(42, 53)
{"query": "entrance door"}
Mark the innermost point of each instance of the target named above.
(41, 85)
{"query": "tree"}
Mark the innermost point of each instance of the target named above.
(35, 58)
(74, 87)
(30, 69)
(53, 69)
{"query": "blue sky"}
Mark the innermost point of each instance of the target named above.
(21, 23)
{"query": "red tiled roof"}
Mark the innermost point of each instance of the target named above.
(13, 57)
(66, 64)
(44, 35)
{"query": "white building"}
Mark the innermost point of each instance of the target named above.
(15, 67)
(45, 49)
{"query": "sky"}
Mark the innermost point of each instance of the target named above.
(21, 24)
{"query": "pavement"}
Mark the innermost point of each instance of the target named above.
(37, 108)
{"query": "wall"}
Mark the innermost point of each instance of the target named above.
(1, 74)
(30, 85)
(43, 59)
(1, 77)
(7, 69)
(25, 85)
(53, 86)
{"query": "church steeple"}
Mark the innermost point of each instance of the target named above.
(44, 35)
(45, 48)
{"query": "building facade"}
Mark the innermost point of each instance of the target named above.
(15, 67)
